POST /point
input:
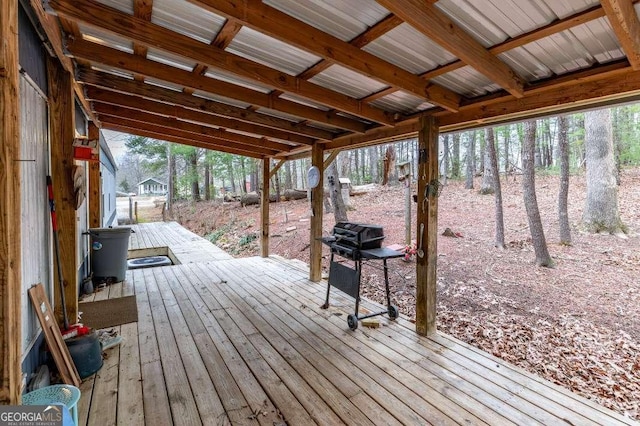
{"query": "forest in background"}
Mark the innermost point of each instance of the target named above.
(199, 174)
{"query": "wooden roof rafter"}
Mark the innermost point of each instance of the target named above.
(95, 53)
(430, 21)
(107, 97)
(272, 22)
(624, 21)
(534, 35)
(201, 105)
(220, 135)
(138, 30)
(157, 132)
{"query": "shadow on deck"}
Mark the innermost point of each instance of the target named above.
(244, 341)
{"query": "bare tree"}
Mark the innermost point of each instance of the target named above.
(445, 158)
(389, 164)
(339, 209)
(470, 160)
(493, 166)
(488, 175)
(195, 184)
(563, 195)
(530, 201)
(455, 158)
(601, 212)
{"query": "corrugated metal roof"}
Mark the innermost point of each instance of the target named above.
(105, 38)
(164, 84)
(187, 19)
(111, 70)
(269, 51)
(407, 48)
(303, 101)
(342, 19)
(467, 81)
(343, 80)
(170, 59)
(402, 102)
(221, 99)
(237, 80)
(280, 114)
(125, 6)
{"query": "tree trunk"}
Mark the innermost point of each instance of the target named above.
(529, 191)
(445, 159)
(288, 181)
(488, 176)
(455, 161)
(243, 178)
(507, 166)
(470, 157)
(373, 155)
(231, 177)
(171, 190)
(207, 180)
(601, 212)
(339, 209)
(277, 186)
(389, 164)
(195, 184)
(493, 167)
(563, 195)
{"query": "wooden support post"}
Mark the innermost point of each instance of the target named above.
(10, 272)
(317, 193)
(62, 133)
(95, 189)
(275, 169)
(330, 158)
(427, 226)
(264, 208)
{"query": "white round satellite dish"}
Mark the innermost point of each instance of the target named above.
(313, 176)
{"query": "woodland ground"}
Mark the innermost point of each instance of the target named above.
(577, 324)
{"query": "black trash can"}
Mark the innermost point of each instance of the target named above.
(109, 249)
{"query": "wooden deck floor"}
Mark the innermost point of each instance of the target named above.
(243, 341)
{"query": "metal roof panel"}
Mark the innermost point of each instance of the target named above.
(125, 6)
(170, 59)
(407, 48)
(187, 19)
(253, 45)
(343, 80)
(342, 19)
(105, 38)
(217, 74)
(402, 102)
(467, 81)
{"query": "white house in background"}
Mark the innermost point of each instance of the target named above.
(152, 186)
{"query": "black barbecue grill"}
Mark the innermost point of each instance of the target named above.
(357, 242)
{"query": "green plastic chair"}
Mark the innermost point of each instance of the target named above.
(55, 394)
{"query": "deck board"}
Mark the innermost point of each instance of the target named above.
(244, 341)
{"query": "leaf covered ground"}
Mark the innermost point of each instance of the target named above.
(577, 324)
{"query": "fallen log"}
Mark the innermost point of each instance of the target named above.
(295, 194)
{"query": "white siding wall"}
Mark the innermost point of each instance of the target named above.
(108, 195)
(36, 227)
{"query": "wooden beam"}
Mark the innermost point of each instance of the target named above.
(141, 9)
(327, 161)
(264, 209)
(95, 188)
(103, 96)
(231, 113)
(236, 139)
(151, 34)
(427, 227)
(317, 194)
(227, 33)
(62, 133)
(275, 169)
(172, 127)
(624, 21)
(10, 195)
(593, 90)
(441, 29)
(277, 24)
(114, 58)
(133, 129)
(375, 136)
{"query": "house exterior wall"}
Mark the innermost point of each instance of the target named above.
(108, 185)
(36, 243)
